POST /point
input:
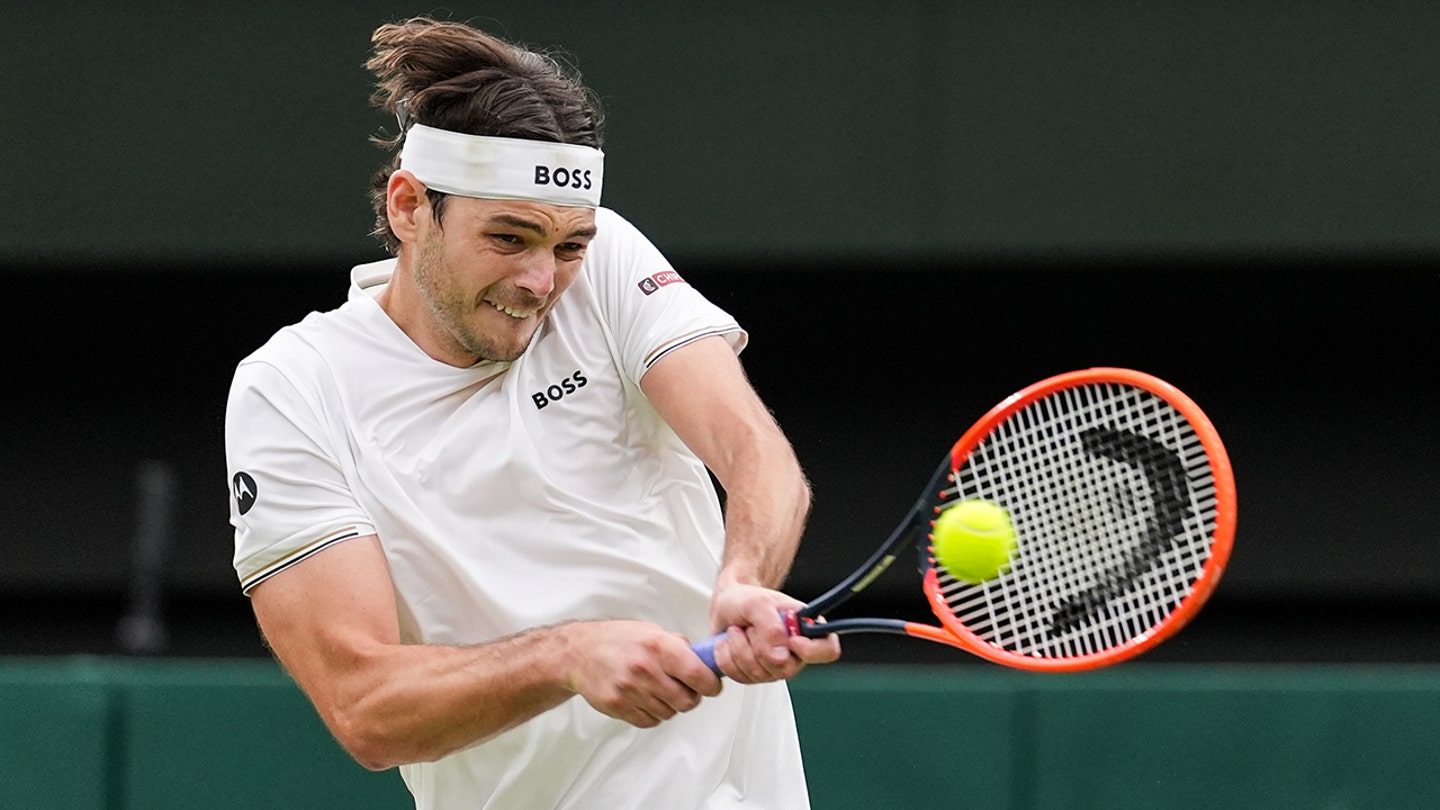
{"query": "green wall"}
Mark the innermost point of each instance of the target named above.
(217, 134)
(115, 734)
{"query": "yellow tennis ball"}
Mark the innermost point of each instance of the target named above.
(974, 540)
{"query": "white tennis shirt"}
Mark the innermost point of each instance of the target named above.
(509, 496)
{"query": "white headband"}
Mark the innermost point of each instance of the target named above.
(504, 168)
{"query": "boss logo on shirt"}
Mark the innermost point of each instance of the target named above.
(661, 279)
(556, 392)
(562, 177)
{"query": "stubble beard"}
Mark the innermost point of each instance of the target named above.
(453, 312)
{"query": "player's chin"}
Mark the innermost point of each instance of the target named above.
(508, 339)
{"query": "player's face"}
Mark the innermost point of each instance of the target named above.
(494, 270)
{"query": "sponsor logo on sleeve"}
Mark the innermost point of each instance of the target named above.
(661, 279)
(245, 491)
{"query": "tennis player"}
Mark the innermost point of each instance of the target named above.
(478, 488)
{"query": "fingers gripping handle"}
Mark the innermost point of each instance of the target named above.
(706, 649)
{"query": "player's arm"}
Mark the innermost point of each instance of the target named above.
(331, 620)
(701, 391)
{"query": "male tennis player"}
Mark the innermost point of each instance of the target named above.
(478, 488)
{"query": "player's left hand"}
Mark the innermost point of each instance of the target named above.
(757, 648)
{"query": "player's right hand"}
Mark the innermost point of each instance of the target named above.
(635, 671)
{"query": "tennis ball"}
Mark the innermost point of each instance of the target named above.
(974, 540)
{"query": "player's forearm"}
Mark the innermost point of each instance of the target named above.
(767, 503)
(417, 703)
(701, 392)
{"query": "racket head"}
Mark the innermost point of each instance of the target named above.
(1123, 502)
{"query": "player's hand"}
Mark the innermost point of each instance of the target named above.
(635, 671)
(757, 648)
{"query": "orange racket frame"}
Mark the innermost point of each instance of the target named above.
(1213, 534)
(958, 634)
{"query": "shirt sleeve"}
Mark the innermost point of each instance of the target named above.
(650, 309)
(290, 498)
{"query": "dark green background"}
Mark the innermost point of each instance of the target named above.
(237, 132)
(916, 209)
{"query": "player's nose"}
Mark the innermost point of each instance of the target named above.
(537, 275)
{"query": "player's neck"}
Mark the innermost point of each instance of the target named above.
(402, 301)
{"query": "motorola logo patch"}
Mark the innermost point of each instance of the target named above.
(244, 488)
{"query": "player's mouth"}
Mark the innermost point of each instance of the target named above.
(514, 312)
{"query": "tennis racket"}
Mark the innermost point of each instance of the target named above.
(1123, 504)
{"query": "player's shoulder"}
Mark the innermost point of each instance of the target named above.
(300, 351)
(619, 251)
(324, 332)
(288, 359)
(614, 233)
(609, 216)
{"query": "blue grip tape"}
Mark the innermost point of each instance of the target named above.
(706, 650)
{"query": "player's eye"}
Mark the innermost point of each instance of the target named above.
(570, 250)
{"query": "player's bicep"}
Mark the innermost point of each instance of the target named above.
(325, 615)
(701, 391)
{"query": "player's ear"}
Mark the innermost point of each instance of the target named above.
(404, 200)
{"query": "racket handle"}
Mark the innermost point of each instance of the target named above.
(706, 649)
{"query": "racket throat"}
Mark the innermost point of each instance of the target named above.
(810, 628)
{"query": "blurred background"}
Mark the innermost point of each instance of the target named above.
(916, 209)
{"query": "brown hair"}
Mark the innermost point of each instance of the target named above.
(453, 76)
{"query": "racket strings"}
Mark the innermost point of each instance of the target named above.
(1114, 506)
